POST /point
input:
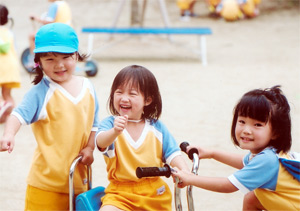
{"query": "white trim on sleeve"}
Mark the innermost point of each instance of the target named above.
(238, 185)
(170, 158)
(19, 117)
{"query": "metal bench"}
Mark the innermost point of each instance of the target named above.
(199, 31)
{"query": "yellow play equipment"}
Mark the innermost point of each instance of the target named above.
(184, 4)
(231, 10)
(250, 8)
(212, 4)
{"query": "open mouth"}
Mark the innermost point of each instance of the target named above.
(124, 107)
(61, 72)
(246, 139)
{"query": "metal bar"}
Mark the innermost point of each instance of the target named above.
(177, 192)
(149, 30)
(71, 181)
(189, 189)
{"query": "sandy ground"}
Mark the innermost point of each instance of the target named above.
(197, 100)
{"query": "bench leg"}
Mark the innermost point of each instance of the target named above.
(90, 45)
(203, 50)
(164, 12)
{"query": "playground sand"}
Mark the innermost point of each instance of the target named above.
(197, 100)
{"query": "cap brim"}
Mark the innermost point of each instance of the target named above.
(56, 49)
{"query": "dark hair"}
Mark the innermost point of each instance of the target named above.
(268, 105)
(3, 15)
(38, 70)
(144, 80)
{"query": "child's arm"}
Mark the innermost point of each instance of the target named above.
(106, 138)
(87, 152)
(228, 158)
(40, 20)
(217, 184)
(7, 141)
(179, 162)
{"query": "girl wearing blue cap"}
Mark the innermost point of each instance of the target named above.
(63, 111)
(262, 125)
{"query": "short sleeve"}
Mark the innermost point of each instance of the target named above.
(170, 146)
(260, 172)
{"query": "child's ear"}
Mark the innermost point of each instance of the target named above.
(148, 101)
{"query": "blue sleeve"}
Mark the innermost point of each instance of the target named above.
(32, 103)
(52, 11)
(106, 124)
(170, 146)
(260, 172)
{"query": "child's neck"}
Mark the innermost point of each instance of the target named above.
(135, 129)
(73, 86)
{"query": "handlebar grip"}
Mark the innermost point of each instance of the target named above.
(183, 147)
(153, 171)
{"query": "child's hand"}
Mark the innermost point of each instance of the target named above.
(87, 156)
(182, 176)
(202, 152)
(7, 144)
(120, 123)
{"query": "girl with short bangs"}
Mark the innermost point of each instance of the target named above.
(135, 137)
(145, 83)
(261, 124)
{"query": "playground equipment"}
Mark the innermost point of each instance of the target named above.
(201, 32)
(91, 199)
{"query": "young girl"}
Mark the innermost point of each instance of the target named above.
(63, 111)
(134, 137)
(262, 125)
(9, 68)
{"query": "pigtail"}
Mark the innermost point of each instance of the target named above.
(280, 119)
(38, 70)
(38, 74)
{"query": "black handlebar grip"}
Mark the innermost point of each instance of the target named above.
(153, 171)
(183, 147)
(191, 152)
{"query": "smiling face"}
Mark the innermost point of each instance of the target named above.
(252, 134)
(59, 67)
(128, 100)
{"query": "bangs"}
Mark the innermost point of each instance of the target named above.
(255, 107)
(132, 78)
(128, 81)
(53, 53)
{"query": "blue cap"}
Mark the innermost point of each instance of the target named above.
(56, 37)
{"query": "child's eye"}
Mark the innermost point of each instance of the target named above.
(241, 121)
(258, 124)
(67, 56)
(133, 93)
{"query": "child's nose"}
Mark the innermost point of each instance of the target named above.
(124, 98)
(247, 130)
(59, 64)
